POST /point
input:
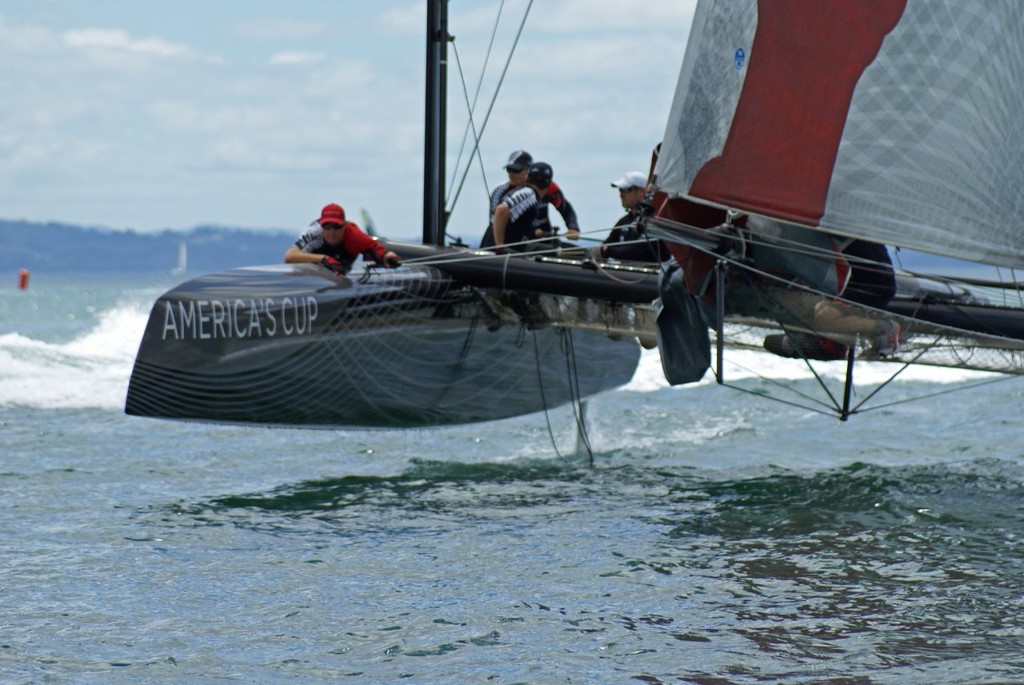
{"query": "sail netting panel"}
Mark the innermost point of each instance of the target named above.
(895, 122)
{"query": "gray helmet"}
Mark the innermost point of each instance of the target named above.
(540, 174)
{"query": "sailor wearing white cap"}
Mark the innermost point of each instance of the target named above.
(625, 242)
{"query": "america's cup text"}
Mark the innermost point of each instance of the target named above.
(252, 318)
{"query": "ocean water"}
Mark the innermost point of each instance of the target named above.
(718, 537)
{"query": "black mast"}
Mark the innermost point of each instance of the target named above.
(434, 219)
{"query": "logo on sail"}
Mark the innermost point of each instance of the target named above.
(740, 58)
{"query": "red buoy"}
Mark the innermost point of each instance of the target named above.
(23, 279)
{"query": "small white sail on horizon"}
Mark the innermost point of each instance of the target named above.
(182, 259)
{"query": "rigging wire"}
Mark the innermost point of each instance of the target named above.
(490, 107)
(544, 398)
(486, 253)
(471, 125)
(776, 308)
(826, 410)
(859, 408)
(988, 381)
(573, 392)
(781, 281)
(573, 378)
(471, 108)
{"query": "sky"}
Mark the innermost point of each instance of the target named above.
(170, 114)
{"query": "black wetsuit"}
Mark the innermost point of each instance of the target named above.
(624, 232)
(872, 279)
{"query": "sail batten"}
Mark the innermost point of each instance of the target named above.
(896, 121)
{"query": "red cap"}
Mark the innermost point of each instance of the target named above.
(332, 214)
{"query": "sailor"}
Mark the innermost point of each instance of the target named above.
(554, 197)
(515, 216)
(624, 241)
(872, 283)
(335, 242)
(518, 164)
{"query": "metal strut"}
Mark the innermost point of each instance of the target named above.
(851, 356)
(582, 438)
(720, 269)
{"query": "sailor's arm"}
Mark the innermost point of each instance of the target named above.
(294, 255)
(572, 224)
(383, 257)
(501, 217)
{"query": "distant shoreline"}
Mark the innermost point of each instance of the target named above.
(70, 248)
(57, 247)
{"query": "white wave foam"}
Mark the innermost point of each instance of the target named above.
(745, 364)
(91, 371)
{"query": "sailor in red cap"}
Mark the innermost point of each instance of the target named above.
(335, 242)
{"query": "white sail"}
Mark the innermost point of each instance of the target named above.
(182, 259)
(899, 122)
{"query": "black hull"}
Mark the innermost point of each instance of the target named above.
(980, 319)
(298, 346)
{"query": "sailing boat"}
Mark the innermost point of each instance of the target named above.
(799, 126)
(453, 336)
(182, 259)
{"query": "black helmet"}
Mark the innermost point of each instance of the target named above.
(540, 174)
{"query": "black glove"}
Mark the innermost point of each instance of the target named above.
(334, 265)
(392, 260)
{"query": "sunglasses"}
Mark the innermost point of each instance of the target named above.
(331, 227)
(513, 170)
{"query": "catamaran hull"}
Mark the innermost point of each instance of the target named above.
(298, 346)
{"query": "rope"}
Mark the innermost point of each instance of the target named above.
(544, 399)
(572, 377)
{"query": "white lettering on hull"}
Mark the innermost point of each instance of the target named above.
(224, 319)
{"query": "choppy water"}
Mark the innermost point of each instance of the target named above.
(718, 538)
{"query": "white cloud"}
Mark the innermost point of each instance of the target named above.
(118, 41)
(408, 19)
(295, 57)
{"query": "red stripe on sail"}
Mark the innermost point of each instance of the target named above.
(805, 61)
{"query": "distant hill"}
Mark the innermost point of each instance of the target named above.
(62, 247)
(58, 247)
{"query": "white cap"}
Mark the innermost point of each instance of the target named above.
(632, 179)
